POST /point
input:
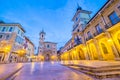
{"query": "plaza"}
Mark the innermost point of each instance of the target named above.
(38, 42)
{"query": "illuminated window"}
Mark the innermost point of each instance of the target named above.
(104, 48)
(114, 18)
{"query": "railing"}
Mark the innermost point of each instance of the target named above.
(90, 37)
(110, 24)
(98, 32)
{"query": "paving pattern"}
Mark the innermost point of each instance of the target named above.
(6, 69)
(48, 71)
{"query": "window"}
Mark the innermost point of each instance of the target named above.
(76, 19)
(114, 18)
(98, 28)
(1, 36)
(119, 7)
(48, 46)
(7, 37)
(78, 30)
(18, 31)
(19, 40)
(3, 29)
(11, 29)
(89, 34)
(42, 36)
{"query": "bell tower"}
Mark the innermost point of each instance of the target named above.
(42, 36)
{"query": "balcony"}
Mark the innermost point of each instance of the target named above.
(90, 37)
(98, 32)
(113, 22)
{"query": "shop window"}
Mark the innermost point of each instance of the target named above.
(104, 48)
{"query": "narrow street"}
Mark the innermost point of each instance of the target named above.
(48, 71)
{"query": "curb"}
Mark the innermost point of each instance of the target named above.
(10, 74)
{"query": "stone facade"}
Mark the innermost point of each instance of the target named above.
(11, 40)
(100, 38)
(47, 50)
(29, 46)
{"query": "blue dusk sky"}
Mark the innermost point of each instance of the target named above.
(54, 16)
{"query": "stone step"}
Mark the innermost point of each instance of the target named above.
(98, 73)
(99, 70)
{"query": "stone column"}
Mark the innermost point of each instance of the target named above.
(98, 49)
(114, 48)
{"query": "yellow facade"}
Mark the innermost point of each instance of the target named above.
(104, 45)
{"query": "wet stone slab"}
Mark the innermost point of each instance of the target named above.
(48, 71)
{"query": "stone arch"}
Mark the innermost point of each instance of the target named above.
(47, 55)
(106, 49)
(81, 54)
(93, 51)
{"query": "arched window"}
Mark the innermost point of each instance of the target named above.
(104, 48)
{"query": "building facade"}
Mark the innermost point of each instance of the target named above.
(99, 39)
(47, 50)
(29, 47)
(11, 42)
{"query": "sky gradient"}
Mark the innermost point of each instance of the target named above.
(54, 16)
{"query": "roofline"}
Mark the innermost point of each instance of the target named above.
(15, 24)
(79, 12)
(29, 40)
(50, 42)
(98, 12)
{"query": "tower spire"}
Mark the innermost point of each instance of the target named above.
(78, 7)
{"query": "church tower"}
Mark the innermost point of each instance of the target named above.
(41, 42)
(42, 36)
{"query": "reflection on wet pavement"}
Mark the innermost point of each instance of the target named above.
(48, 71)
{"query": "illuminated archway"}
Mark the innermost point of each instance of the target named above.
(81, 54)
(93, 52)
(106, 49)
(116, 40)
